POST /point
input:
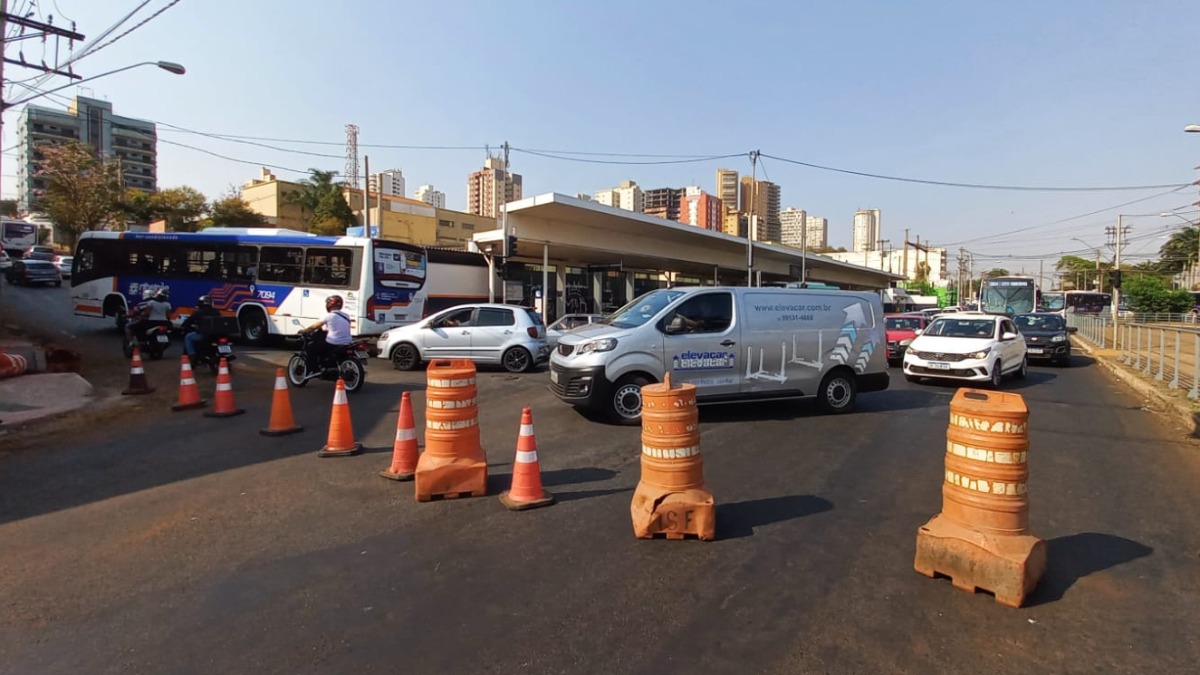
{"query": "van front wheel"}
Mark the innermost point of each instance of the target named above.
(838, 392)
(625, 402)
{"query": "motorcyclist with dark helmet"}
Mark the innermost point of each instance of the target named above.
(336, 334)
(155, 311)
(195, 327)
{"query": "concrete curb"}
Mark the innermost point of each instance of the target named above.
(1181, 411)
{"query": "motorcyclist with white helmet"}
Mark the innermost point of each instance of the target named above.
(336, 334)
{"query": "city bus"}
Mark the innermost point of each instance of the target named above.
(17, 236)
(274, 281)
(1008, 295)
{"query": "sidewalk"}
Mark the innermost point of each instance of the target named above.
(37, 395)
(1174, 402)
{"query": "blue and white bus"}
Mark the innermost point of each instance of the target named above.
(274, 281)
(1008, 295)
(17, 236)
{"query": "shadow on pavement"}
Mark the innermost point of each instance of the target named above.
(739, 519)
(1075, 556)
(589, 474)
(1034, 378)
(588, 494)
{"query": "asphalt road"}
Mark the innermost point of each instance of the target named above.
(186, 544)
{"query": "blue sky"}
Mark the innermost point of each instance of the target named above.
(1065, 93)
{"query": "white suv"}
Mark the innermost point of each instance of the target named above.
(969, 346)
(507, 335)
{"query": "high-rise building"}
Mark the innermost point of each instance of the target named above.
(735, 223)
(491, 187)
(866, 230)
(702, 210)
(727, 188)
(663, 202)
(760, 199)
(427, 194)
(792, 230)
(390, 182)
(818, 233)
(626, 196)
(130, 141)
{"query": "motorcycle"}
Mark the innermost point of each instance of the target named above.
(211, 350)
(152, 342)
(347, 362)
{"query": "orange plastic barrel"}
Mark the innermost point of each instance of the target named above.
(454, 463)
(672, 498)
(987, 470)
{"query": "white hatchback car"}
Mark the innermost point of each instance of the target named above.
(970, 346)
(507, 335)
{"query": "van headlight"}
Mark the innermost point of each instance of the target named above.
(605, 345)
(905, 343)
(1059, 338)
(981, 354)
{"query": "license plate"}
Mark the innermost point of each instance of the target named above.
(360, 354)
(163, 338)
(554, 377)
(939, 365)
(224, 349)
(1035, 350)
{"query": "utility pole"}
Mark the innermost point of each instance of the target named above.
(1099, 279)
(366, 196)
(1118, 236)
(38, 30)
(905, 270)
(752, 225)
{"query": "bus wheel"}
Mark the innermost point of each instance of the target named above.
(254, 327)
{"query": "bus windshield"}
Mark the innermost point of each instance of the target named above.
(1052, 301)
(1007, 295)
(642, 309)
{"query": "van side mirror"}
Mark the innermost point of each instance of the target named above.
(918, 331)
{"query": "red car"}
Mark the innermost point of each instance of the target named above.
(901, 329)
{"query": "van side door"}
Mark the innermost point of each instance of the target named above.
(700, 343)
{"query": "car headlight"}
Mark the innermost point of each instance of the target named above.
(604, 345)
(905, 343)
(1059, 338)
(383, 336)
(981, 354)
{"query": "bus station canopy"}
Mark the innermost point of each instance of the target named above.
(581, 233)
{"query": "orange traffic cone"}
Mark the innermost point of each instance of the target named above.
(224, 405)
(404, 452)
(282, 421)
(526, 492)
(189, 393)
(341, 432)
(137, 376)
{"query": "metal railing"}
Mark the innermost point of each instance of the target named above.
(1156, 350)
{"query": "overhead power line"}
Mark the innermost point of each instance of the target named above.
(979, 186)
(143, 22)
(583, 160)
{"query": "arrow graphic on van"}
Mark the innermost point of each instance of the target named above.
(864, 356)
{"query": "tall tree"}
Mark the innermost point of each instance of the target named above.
(1079, 271)
(230, 210)
(1180, 250)
(995, 272)
(182, 207)
(8, 207)
(322, 203)
(81, 191)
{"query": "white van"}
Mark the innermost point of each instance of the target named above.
(734, 344)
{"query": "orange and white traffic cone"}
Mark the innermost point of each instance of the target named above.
(224, 404)
(341, 432)
(282, 421)
(404, 451)
(189, 393)
(526, 491)
(137, 376)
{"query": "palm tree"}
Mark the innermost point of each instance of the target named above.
(1180, 250)
(317, 187)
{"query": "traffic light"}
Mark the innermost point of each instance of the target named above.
(512, 245)
(1114, 278)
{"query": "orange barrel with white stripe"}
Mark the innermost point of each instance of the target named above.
(671, 436)
(451, 409)
(672, 498)
(454, 463)
(987, 470)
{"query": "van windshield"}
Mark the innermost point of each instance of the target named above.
(642, 309)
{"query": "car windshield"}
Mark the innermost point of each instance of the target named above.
(967, 328)
(903, 323)
(642, 309)
(1036, 322)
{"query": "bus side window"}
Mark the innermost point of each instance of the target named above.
(328, 266)
(281, 264)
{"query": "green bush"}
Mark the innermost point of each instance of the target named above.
(1150, 294)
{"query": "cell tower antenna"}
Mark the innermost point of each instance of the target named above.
(350, 175)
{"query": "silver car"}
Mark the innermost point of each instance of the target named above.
(506, 335)
(568, 322)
